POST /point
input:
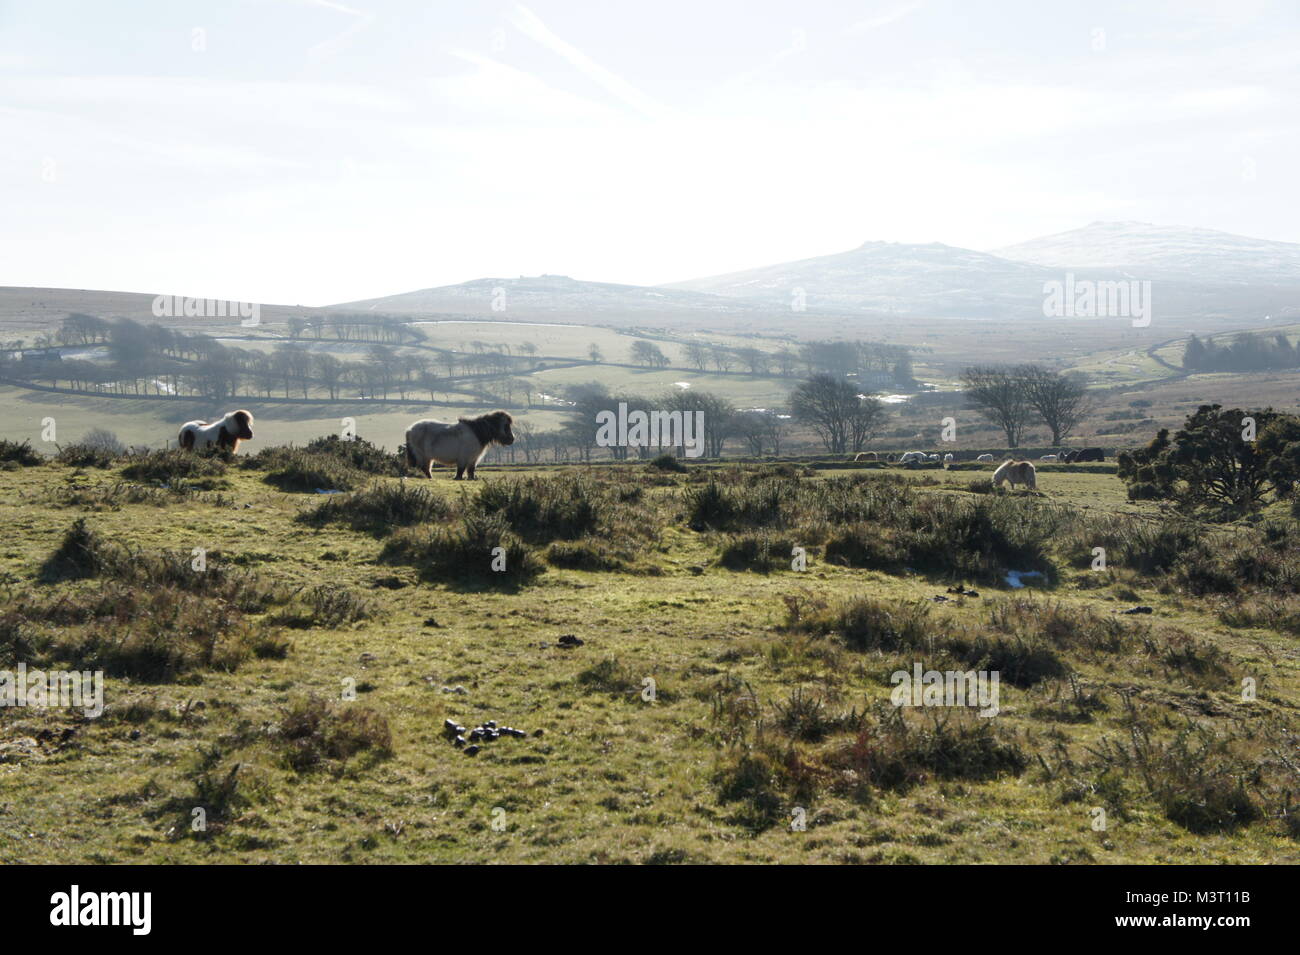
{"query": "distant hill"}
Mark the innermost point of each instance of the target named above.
(546, 293)
(933, 279)
(1147, 251)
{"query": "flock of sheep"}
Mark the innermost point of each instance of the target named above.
(1011, 471)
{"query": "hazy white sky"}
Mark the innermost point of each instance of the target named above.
(313, 151)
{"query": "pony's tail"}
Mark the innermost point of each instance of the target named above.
(410, 455)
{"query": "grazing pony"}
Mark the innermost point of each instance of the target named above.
(985, 458)
(1089, 454)
(948, 459)
(912, 456)
(866, 456)
(462, 444)
(226, 433)
(1016, 472)
(1048, 457)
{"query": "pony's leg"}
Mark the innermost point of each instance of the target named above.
(428, 469)
(460, 471)
(470, 469)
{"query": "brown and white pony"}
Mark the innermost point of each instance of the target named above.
(225, 433)
(462, 444)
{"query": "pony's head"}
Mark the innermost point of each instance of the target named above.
(501, 422)
(240, 425)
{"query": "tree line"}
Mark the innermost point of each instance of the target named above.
(1245, 351)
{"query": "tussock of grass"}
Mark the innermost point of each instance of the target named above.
(296, 469)
(465, 552)
(199, 470)
(761, 552)
(540, 510)
(587, 554)
(314, 733)
(379, 508)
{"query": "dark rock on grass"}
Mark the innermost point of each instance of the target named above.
(1138, 610)
(570, 640)
(431, 622)
(471, 750)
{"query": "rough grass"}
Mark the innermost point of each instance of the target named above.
(778, 702)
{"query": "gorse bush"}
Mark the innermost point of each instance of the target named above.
(86, 456)
(669, 462)
(361, 455)
(19, 453)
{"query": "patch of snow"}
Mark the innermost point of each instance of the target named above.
(1016, 578)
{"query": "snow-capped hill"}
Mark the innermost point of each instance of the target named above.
(930, 278)
(1155, 252)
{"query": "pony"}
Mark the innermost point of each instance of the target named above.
(462, 444)
(1016, 472)
(985, 458)
(226, 433)
(866, 456)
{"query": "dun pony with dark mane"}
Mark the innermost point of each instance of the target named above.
(462, 444)
(225, 433)
(1016, 472)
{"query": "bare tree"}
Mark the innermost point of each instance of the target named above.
(697, 354)
(839, 415)
(1062, 401)
(648, 353)
(1000, 395)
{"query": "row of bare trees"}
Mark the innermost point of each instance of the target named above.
(1014, 397)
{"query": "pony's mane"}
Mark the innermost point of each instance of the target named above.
(483, 431)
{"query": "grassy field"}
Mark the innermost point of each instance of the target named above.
(770, 703)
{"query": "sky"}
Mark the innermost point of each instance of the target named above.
(314, 152)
